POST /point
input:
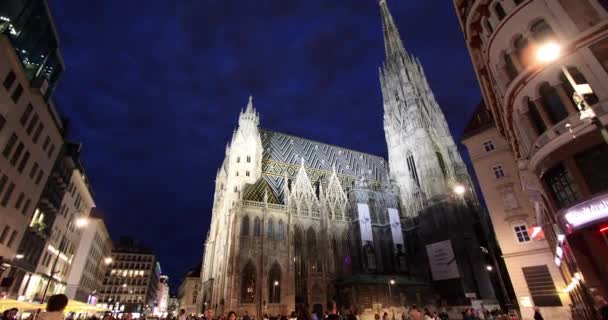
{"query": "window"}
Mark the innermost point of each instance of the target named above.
(235, 189)
(3, 234)
(257, 228)
(488, 26)
(509, 200)
(274, 284)
(498, 171)
(9, 80)
(26, 207)
(281, 231)
(488, 146)
(245, 226)
(441, 163)
(19, 201)
(17, 153)
(45, 145)
(238, 159)
(500, 11)
(270, 230)
(8, 148)
(411, 166)
(592, 163)
(38, 132)
(541, 286)
(32, 124)
(237, 173)
(26, 114)
(541, 31)
(248, 287)
(510, 68)
(247, 173)
(11, 239)
(535, 118)
(8, 194)
(17, 93)
(23, 162)
(552, 103)
(39, 177)
(561, 186)
(51, 150)
(2, 122)
(34, 169)
(520, 45)
(521, 232)
(248, 159)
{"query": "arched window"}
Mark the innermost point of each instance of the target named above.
(500, 11)
(441, 163)
(520, 44)
(248, 288)
(541, 31)
(245, 226)
(579, 79)
(535, 118)
(552, 103)
(311, 241)
(270, 229)
(510, 68)
(274, 284)
(281, 231)
(257, 227)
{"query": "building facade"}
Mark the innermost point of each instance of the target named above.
(188, 291)
(163, 297)
(554, 138)
(30, 128)
(529, 261)
(297, 221)
(93, 256)
(131, 284)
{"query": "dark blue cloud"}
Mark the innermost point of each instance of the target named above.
(154, 89)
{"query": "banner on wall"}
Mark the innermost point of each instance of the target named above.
(393, 217)
(442, 260)
(365, 223)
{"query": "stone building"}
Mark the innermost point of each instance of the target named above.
(188, 291)
(533, 91)
(297, 221)
(30, 128)
(529, 261)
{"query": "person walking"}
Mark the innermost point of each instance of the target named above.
(415, 314)
(55, 306)
(10, 314)
(332, 310)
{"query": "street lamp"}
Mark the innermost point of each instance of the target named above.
(274, 291)
(489, 268)
(19, 256)
(390, 294)
(459, 189)
(108, 260)
(80, 223)
(550, 52)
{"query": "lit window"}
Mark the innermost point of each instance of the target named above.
(521, 232)
(488, 146)
(498, 171)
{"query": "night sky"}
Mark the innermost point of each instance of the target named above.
(153, 90)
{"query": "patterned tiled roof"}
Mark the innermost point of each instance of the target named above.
(287, 149)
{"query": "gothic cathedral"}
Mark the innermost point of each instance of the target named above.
(300, 221)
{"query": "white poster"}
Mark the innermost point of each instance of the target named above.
(442, 260)
(393, 217)
(365, 223)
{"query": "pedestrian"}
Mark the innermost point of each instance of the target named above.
(415, 314)
(427, 314)
(55, 306)
(332, 310)
(246, 316)
(537, 315)
(10, 314)
(209, 313)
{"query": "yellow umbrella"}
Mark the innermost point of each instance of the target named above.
(21, 305)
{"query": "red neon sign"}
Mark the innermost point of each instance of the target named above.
(604, 229)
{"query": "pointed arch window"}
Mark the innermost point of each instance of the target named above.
(245, 226)
(248, 283)
(311, 238)
(541, 31)
(270, 229)
(441, 163)
(257, 227)
(274, 284)
(281, 231)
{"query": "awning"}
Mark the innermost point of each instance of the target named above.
(81, 307)
(21, 305)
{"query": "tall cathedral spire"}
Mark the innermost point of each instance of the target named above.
(392, 41)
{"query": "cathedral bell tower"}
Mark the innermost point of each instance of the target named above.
(423, 158)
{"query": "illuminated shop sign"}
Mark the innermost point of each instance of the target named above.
(587, 212)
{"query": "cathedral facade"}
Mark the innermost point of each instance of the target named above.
(299, 221)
